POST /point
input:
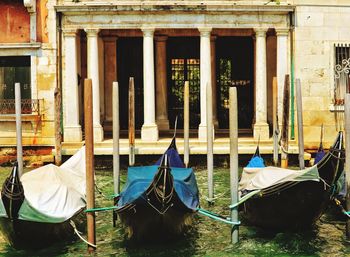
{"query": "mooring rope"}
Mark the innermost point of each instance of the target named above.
(218, 217)
(78, 233)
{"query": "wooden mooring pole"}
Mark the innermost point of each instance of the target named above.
(18, 109)
(131, 122)
(347, 158)
(234, 159)
(186, 123)
(210, 155)
(300, 123)
(58, 130)
(274, 121)
(285, 123)
(116, 127)
(89, 150)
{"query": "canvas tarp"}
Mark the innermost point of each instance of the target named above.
(261, 178)
(54, 194)
(140, 178)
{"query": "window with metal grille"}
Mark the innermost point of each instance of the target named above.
(184, 70)
(341, 73)
(15, 69)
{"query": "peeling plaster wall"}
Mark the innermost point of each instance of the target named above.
(14, 22)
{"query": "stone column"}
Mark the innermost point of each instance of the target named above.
(110, 73)
(205, 78)
(261, 127)
(282, 65)
(149, 130)
(93, 74)
(161, 84)
(213, 79)
(72, 128)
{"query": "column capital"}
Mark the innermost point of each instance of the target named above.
(160, 38)
(30, 5)
(204, 31)
(148, 31)
(260, 32)
(282, 31)
(69, 32)
(91, 32)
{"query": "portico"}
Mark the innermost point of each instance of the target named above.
(158, 67)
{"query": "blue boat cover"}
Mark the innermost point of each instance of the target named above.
(140, 178)
(173, 157)
(319, 155)
(256, 162)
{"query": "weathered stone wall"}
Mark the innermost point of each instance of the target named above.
(36, 131)
(317, 29)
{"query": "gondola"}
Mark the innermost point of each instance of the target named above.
(284, 199)
(158, 201)
(44, 205)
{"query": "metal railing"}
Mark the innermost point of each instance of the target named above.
(29, 106)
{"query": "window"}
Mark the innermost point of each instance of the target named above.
(184, 69)
(15, 69)
(341, 73)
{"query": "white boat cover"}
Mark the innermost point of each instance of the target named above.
(54, 194)
(261, 178)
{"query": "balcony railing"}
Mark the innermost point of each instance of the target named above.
(29, 106)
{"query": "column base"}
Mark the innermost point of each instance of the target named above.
(98, 133)
(163, 124)
(261, 130)
(202, 132)
(149, 132)
(216, 123)
(72, 134)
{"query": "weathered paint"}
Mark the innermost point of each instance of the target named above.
(41, 21)
(14, 22)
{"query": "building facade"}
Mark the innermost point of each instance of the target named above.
(162, 44)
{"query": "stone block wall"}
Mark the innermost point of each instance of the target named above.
(317, 29)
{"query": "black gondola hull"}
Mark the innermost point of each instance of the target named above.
(295, 208)
(22, 234)
(146, 223)
(297, 205)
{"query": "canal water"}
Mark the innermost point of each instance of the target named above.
(206, 237)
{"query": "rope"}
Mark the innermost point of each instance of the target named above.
(7, 189)
(338, 203)
(101, 209)
(76, 231)
(217, 196)
(160, 193)
(244, 198)
(218, 217)
(108, 197)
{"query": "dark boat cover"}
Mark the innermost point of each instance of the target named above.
(173, 156)
(140, 178)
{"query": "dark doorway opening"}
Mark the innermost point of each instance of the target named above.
(235, 67)
(183, 64)
(130, 64)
